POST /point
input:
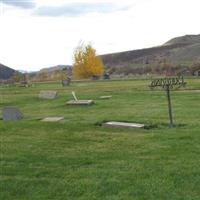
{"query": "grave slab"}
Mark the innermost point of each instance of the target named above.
(11, 113)
(50, 94)
(80, 102)
(52, 119)
(114, 124)
(105, 97)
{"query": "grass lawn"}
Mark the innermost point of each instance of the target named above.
(78, 159)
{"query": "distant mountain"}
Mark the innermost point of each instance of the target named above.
(189, 50)
(51, 73)
(187, 39)
(179, 51)
(6, 72)
(57, 67)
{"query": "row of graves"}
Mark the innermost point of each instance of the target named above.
(167, 84)
(24, 82)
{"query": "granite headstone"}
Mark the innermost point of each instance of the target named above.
(106, 76)
(11, 113)
(66, 82)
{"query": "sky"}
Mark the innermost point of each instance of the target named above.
(35, 34)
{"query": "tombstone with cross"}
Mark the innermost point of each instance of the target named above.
(167, 84)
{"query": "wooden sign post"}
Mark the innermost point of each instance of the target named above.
(168, 84)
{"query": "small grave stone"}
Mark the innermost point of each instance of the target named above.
(11, 113)
(80, 102)
(52, 119)
(105, 97)
(106, 76)
(94, 78)
(66, 82)
(24, 84)
(48, 94)
(114, 124)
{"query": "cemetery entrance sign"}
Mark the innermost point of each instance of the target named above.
(167, 84)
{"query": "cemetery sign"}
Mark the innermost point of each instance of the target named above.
(167, 84)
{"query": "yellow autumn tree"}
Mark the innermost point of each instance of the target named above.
(86, 63)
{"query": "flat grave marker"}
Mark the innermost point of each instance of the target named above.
(105, 97)
(52, 119)
(80, 102)
(48, 94)
(114, 124)
(11, 113)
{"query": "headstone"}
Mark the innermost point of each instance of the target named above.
(66, 82)
(48, 94)
(52, 119)
(24, 84)
(94, 78)
(80, 102)
(106, 76)
(11, 113)
(114, 124)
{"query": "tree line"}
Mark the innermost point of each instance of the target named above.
(87, 64)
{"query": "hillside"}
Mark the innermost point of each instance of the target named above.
(51, 73)
(187, 39)
(179, 51)
(57, 67)
(5, 72)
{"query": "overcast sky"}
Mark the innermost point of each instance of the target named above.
(41, 33)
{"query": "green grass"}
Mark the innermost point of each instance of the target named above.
(77, 159)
